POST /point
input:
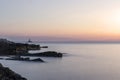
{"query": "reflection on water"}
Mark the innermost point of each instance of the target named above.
(83, 62)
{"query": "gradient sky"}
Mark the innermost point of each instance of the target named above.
(60, 20)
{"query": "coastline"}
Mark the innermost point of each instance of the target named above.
(8, 74)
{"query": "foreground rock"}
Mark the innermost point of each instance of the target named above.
(45, 54)
(7, 74)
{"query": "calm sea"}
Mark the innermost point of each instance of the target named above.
(80, 62)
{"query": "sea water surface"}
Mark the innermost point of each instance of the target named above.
(82, 61)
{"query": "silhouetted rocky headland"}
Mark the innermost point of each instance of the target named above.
(12, 48)
(7, 74)
(21, 49)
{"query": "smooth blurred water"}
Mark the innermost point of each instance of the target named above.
(81, 62)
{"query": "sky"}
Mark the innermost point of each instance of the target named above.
(60, 20)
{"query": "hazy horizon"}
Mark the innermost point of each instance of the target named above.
(60, 20)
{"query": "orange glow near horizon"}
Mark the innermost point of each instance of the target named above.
(97, 20)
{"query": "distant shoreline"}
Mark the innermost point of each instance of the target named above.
(82, 42)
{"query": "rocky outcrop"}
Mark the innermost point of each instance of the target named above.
(12, 48)
(7, 74)
(44, 47)
(45, 54)
(37, 60)
(19, 58)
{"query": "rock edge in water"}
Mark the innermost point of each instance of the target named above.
(45, 54)
(25, 59)
(7, 74)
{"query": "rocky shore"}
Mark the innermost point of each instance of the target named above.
(7, 74)
(17, 51)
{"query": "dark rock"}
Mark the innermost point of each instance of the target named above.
(46, 54)
(1, 58)
(19, 58)
(44, 46)
(38, 59)
(7, 74)
(12, 48)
